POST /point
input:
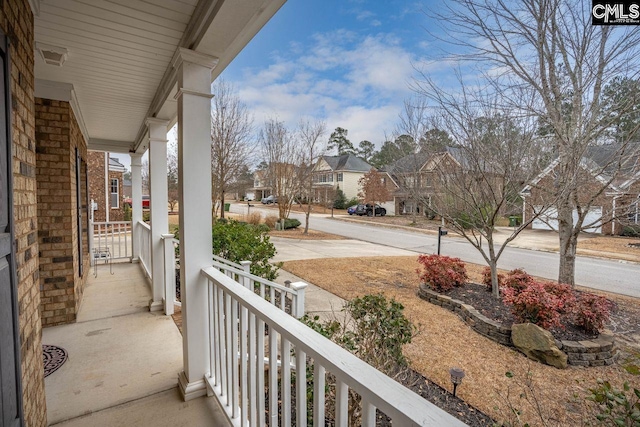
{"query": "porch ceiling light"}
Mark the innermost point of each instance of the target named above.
(52, 55)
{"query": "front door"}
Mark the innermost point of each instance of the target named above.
(10, 389)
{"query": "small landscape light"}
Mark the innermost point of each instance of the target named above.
(457, 375)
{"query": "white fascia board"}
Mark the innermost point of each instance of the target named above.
(35, 7)
(121, 147)
(59, 91)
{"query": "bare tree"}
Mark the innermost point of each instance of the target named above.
(231, 140)
(551, 47)
(282, 154)
(172, 175)
(478, 180)
(313, 148)
(373, 188)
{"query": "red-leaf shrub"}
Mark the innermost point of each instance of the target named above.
(591, 311)
(518, 279)
(486, 279)
(442, 273)
(535, 304)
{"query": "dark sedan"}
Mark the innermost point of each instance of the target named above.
(370, 210)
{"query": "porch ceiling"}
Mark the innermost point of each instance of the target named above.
(120, 54)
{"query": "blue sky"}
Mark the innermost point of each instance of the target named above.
(348, 62)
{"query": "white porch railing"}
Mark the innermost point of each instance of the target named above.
(110, 240)
(169, 244)
(276, 294)
(239, 371)
(144, 243)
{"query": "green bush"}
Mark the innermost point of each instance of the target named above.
(291, 223)
(630, 231)
(352, 202)
(616, 407)
(340, 202)
(237, 242)
(127, 212)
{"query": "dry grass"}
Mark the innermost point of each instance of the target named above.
(446, 341)
(298, 233)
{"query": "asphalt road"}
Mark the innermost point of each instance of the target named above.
(607, 275)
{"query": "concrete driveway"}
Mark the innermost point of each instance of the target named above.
(292, 249)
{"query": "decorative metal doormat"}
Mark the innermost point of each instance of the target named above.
(53, 358)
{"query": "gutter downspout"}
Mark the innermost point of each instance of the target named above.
(107, 203)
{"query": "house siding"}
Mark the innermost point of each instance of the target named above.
(16, 21)
(58, 136)
(350, 185)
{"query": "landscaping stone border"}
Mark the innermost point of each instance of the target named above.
(595, 352)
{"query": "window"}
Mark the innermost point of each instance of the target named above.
(114, 200)
(329, 177)
(339, 177)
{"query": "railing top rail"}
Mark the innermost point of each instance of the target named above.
(386, 394)
(255, 278)
(226, 261)
(144, 225)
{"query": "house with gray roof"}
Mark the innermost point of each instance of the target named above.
(333, 172)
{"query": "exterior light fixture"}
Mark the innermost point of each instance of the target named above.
(457, 375)
(52, 55)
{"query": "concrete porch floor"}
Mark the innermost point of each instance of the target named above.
(123, 361)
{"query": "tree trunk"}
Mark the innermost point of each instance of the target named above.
(306, 218)
(568, 243)
(222, 204)
(495, 285)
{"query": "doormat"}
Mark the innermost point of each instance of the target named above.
(53, 358)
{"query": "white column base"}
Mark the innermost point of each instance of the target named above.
(191, 390)
(156, 305)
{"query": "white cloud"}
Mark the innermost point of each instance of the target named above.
(355, 82)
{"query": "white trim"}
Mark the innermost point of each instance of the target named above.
(191, 56)
(35, 7)
(59, 91)
(97, 144)
(192, 92)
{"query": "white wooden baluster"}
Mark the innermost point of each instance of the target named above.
(285, 380)
(260, 365)
(368, 414)
(229, 356)
(253, 372)
(272, 295)
(244, 387)
(211, 291)
(283, 300)
(318, 394)
(222, 348)
(342, 404)
(273, 378)
(301, 388)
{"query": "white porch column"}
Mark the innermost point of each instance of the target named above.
(194, 171)
(136, 202)
(158, 206)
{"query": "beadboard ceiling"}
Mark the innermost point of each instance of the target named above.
(120, 52)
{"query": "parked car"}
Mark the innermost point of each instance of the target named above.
(145, 201)
(351, 210)
(269, 200)
(370, 209)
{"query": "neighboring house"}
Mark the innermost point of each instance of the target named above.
(415, 179)
(609, 213)
(333, 172)
(106, 187)
(261, 186)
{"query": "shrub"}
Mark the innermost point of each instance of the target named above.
(340, 201)
(616, 407)
(442, 273)
(254, 218)
(517, 279)
(238, 241)
(291, 223)
(591, 311)
(486, 279)
(270, 221)
(630, 231)
(535, 304)
(352, 202)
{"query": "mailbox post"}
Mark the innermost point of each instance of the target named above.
(441, 233)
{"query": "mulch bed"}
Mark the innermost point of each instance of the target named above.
(493, 308)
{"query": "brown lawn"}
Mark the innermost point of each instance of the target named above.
(445, 341)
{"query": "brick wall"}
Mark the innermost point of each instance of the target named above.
(57, 137)
(16, 20)
(97, 188)
(97, 184)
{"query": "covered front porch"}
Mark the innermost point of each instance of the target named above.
(123, 360)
